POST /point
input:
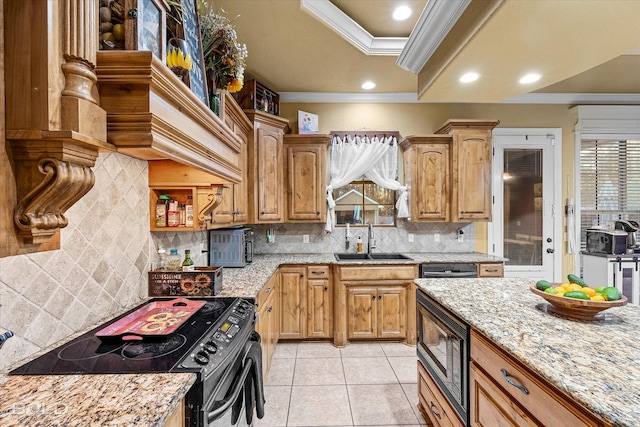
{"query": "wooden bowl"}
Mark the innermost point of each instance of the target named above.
(577, 309)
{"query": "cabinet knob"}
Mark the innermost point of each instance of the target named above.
(317, 212)
(379, 296)
(301, 275)
(326, 288)
(373, 297)
(261, 212)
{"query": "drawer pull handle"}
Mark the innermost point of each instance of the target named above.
(432, 408)
(269, 289)
(493, 270)
(317, 272)
(522, 388)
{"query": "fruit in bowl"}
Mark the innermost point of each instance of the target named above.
(576, 300)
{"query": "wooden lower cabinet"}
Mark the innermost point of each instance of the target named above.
(374, 302)
(376, 312)
(498, 396)
(268, 325)
(434, 406)
(293, 296)
(319, 302)
(176, 419)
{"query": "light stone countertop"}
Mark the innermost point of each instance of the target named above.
(91, 400)
(596, 363)
(146, 400)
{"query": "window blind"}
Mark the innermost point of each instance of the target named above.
(610, 182)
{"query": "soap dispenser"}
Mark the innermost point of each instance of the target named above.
(359, 245)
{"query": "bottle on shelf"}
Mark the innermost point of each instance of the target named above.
(173, 214)
(161, 260)
(188, 209)
(162, 210)
(173, 260)
(187, 264)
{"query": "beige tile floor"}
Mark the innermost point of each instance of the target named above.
(363, 384)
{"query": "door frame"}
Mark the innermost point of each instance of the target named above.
(494, 236)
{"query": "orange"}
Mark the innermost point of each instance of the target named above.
(589, 291)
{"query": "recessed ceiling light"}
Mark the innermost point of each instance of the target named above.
(368, 85)
(530, 78)
(401, 13)
(469, 77)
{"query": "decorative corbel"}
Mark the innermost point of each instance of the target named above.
(209, 198)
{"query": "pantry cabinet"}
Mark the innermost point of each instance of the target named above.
(306, 302)
(268, 322)
(305, 176)
(265, 168)
(374, 302)
(471, 156)
(427, 176)
(505, 392)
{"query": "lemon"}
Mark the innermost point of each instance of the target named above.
(118, 32)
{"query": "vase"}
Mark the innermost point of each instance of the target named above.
(215, 102)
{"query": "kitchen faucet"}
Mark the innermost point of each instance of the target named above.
(370, 239)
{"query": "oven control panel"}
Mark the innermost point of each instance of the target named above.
(230, 331)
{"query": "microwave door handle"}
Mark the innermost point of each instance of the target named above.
(248, 250)
(450, 274)
(226, 403)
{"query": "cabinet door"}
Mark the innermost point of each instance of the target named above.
(392, 312)
(305, 178)
(431, 185)
(263, 327)
(319, 303)
(472, 177)
(293, 300)
(490, 406)
(270, 175)
(361, 312)
(434, 405)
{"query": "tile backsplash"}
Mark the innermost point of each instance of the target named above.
(289, 238)
(100, 269)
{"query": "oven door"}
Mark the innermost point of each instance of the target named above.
(443, 349)
(241, 391)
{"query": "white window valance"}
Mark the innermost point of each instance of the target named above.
(375, 158)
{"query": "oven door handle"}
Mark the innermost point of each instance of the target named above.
(231, 397)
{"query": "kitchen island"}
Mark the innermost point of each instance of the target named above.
(596, 364)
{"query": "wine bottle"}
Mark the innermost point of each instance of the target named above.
(187, 264)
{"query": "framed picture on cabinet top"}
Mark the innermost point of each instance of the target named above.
(307, 122)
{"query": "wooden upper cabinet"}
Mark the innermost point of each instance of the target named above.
(305, 175)
(427, 174)
(265, 168)
(471, 168)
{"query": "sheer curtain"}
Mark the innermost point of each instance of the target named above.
(374, 158)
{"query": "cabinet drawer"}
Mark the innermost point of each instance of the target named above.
(434, 405)
(490, 270)
(379, 272)
(267, 290)
(318, 272)
(548, 406)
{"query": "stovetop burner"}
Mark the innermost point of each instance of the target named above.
(89, 354)
(141, 350)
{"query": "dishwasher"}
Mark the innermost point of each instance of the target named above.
(448, 270)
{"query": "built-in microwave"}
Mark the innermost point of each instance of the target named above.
(230, 247)
(443, 349)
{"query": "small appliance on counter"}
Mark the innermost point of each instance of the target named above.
(629, 227)
(230, 247)
(604, 241)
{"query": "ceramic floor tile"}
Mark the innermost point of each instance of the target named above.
(405, 368)
(364, 349)
(276, 408)
(286, 351)
(368, 370)
(319, 406)
(281, 372)
(411, 392)
(326, 371)
(397, 349)
(384, 404)
(317, 350)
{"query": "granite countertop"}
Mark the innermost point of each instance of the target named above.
(91, 400)
(247, 281)
(148, 399)
(596, 363)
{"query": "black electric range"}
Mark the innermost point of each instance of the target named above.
(215, 343)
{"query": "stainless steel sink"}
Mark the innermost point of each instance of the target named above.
(370, 257)
(390, 256)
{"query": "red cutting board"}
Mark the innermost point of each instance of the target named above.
(156, 319)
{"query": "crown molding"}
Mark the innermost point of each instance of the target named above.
(351, 31)
(412, 98)
(435, 22)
